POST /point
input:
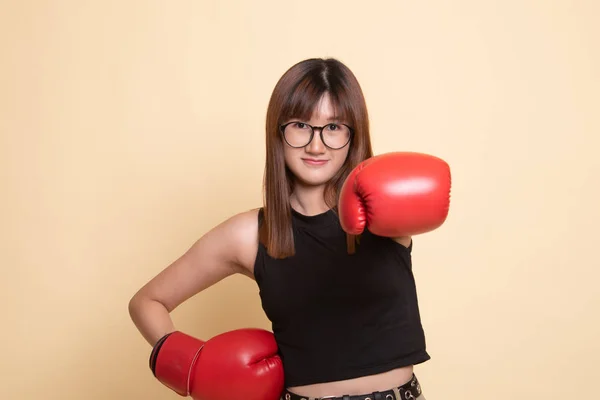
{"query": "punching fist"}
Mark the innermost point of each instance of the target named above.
(396, 194)
(237, 364)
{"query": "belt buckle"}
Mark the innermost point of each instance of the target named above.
(327, 397)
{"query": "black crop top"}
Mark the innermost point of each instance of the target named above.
(338, 316)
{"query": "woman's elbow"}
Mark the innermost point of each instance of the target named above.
(142, 304)
(133, 306)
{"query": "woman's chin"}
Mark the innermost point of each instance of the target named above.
(313, 180)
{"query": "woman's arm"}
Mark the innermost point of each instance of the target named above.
(228, 248)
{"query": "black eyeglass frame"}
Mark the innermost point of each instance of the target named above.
(312, 134)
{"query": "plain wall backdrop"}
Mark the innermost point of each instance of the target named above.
(130, 128)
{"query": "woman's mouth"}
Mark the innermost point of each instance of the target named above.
(314, 161)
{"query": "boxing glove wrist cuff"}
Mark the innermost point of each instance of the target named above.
(154, 353)
(172, 360)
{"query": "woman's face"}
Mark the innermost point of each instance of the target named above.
(315, 164)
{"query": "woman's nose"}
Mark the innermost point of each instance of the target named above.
(316, 145)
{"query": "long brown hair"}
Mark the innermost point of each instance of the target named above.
(295, 96)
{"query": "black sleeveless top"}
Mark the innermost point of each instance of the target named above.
(338, 316)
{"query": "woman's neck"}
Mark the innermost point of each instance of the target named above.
(309, 200)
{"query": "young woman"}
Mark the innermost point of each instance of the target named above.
(330, 251)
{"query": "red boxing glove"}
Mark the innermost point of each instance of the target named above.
(396, 194)
(240, 363)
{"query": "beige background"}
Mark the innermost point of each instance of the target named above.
(130, 128)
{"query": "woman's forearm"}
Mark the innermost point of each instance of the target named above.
(151, 318)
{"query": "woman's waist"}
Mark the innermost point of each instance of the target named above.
(355, 386)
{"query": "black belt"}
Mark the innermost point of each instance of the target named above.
(409, 391)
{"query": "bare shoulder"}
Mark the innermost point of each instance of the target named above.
(236, 239)
(404, 240)
(242, 235)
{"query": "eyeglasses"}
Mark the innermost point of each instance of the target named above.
(299, 134)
